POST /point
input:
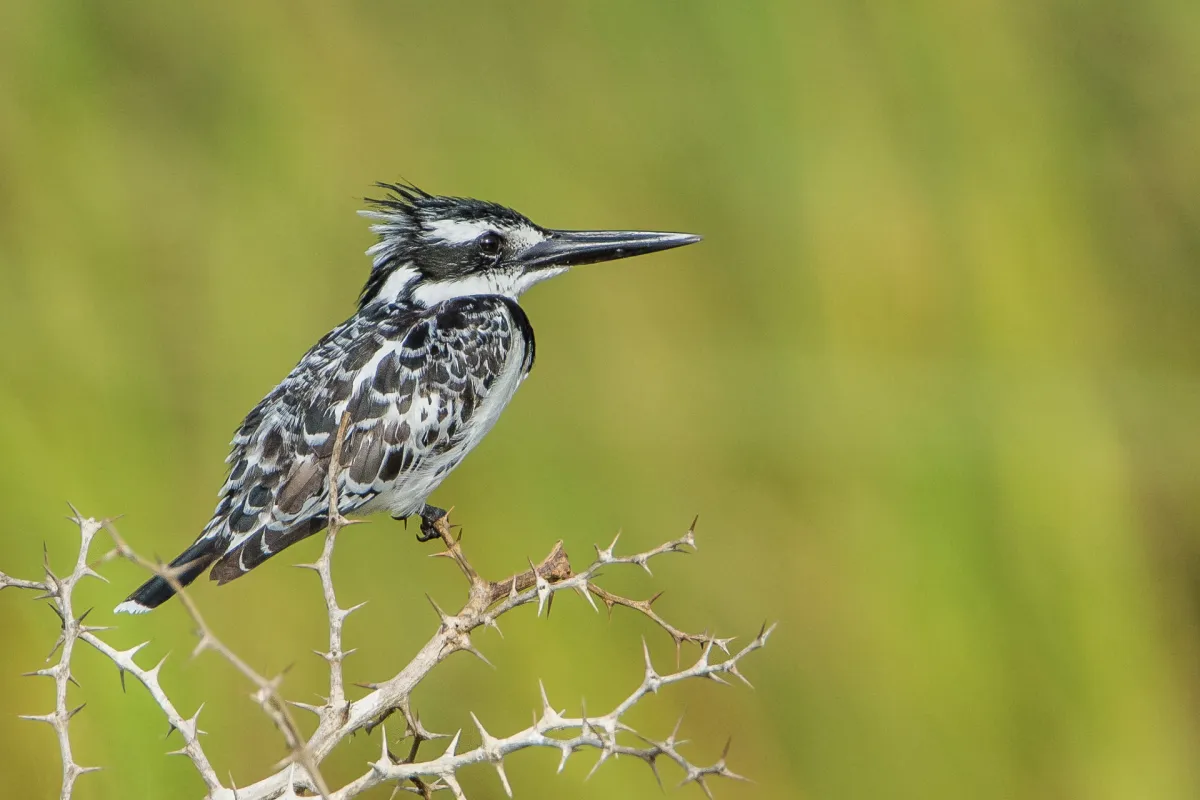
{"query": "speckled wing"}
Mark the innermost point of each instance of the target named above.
(416, 384)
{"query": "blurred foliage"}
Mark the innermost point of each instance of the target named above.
(931, 381)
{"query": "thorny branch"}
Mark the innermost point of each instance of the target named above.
(339, 717)
(266, 693)
(59, 591)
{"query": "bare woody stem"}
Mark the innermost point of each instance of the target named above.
(339, 717)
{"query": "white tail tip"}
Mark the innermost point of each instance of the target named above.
(131, 607)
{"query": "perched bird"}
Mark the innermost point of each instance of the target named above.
(435, 351)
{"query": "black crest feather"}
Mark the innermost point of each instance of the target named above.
(400, 196)
(395, 222)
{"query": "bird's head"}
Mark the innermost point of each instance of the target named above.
(432, 248)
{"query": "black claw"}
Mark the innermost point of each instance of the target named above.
(430, 515)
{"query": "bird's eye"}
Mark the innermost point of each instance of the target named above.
(490, 243)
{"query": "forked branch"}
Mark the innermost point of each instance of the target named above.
(339, 717)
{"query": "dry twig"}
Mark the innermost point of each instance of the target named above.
(339, 717)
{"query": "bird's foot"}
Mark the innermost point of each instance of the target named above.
(432, 518)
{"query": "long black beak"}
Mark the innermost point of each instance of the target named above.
(571, 248)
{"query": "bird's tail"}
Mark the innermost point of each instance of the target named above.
(186, 568)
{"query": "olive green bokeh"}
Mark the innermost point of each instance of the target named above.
(931, 381)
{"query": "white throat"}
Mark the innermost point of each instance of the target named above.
(508, 283)
(406, 280)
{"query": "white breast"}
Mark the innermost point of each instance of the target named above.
(410, 492)
(499, 395)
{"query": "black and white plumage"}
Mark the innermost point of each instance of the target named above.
(434, 353)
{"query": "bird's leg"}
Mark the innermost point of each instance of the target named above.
(430, 516)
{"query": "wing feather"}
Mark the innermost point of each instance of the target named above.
(411, 379)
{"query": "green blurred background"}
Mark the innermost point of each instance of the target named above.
(931, 382)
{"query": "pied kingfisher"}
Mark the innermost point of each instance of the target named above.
(435, 351)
